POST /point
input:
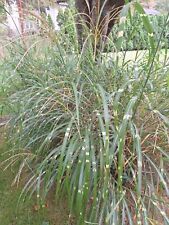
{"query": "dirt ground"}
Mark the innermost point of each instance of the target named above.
(3, 121)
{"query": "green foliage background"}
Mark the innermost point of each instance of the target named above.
(135, 36)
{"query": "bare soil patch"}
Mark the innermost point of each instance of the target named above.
(4, 120)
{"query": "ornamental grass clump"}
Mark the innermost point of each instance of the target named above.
(97, 131)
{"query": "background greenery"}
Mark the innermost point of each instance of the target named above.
(135, 37)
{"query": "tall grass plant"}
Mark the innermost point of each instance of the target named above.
(96, 130)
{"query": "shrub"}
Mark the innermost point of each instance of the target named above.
(7, 84)
(135, 36)
(66, 20)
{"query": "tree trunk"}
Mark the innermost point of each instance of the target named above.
(98, 16)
